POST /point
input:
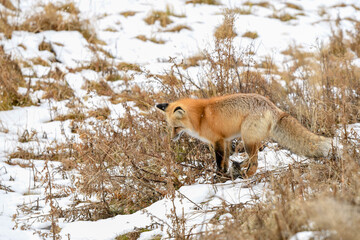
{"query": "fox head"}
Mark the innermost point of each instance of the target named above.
(176, 117)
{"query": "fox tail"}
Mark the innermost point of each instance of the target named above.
(289, 133)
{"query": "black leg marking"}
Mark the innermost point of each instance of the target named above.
(219, 155)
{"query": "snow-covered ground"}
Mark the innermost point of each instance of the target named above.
(308, 30)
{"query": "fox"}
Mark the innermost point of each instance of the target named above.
(251, 117)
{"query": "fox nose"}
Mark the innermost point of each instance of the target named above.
(162, 106)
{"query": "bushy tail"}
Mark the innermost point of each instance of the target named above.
(289, 133)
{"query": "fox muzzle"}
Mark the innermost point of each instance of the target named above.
(176, 133)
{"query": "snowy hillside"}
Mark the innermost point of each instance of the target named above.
(85, 155)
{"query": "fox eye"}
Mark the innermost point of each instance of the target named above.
(178, 108)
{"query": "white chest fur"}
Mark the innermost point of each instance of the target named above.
(196, 135)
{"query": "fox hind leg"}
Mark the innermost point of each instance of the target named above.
(253, 131)
(250, 165)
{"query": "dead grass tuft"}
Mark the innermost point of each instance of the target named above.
(75, 114)
(284, 17)
(100, 113)
(97, 64)
(178, 28)
(293, 6)
(259, 4)
(152, 39)
(226, 30)
(40, 61)
(58, 90)
(116, 77)
(252, 35)
(125, 66)
(45, 46)
(11, 79)
(101, 88)
(128, 13)
(193, 61)
(210, 2)
(240, 11)
(159, 16)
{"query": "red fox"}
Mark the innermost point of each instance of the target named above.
(252, 117)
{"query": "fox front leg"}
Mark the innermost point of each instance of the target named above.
(221, 155)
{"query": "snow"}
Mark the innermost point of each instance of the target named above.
(72, 51)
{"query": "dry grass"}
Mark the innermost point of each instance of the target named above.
(45, 46)
(252, 35)
(100, 113)
(102, 88)
(152, 39)
(293, 6)
(259, 4)
(178, 28)
(241, 11)
(226, 30)
(193, 61)
(58, 90)
(40, 61)
(97, 64)
(163, 17)
(64, 153)
(284, 17)
(128, 13)
(125, 66)
(74, 114)
(210, 2)
(116, 77)
(11, 79)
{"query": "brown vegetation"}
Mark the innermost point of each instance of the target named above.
(284, 17)
(260, 4)
(210, 2)
(178, 28)
(51, 18)
(158, 16)
(100, 87)
(226, 31)
(152, 39)
(11, 79)
(251, 35)
(128, 13)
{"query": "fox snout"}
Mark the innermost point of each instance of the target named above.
(176, 133)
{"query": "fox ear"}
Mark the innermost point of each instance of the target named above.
(162, 106)
(179, 112)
